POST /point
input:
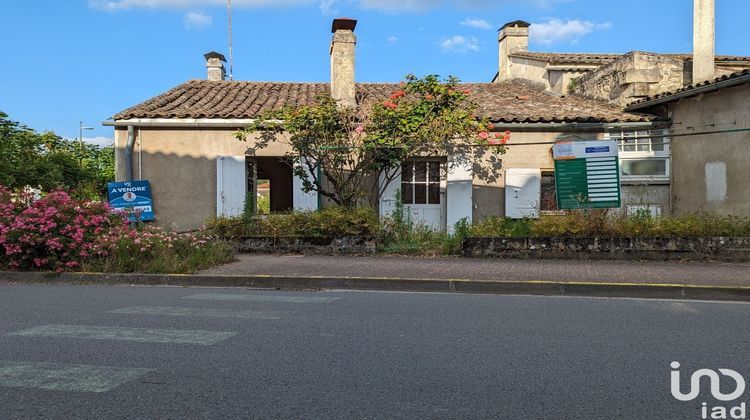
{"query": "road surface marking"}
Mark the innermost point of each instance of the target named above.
(200, 312)
(263, 298)
(140, 335)
(64, 377)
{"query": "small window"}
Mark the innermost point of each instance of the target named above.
(420, 182)
(644, 167)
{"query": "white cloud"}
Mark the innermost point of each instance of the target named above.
(197, 20)
(392, 39)
(460, 44)
(476, 23)
(114, 5)
(557, 31)
(99, 141)
(326, 6)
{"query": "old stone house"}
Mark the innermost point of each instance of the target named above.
(182, 142)
(618, 78)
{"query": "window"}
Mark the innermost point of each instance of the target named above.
(644, 155)
(420, 182)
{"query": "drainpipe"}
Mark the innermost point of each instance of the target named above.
(129, 153)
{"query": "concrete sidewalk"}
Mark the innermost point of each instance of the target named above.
(501, 270)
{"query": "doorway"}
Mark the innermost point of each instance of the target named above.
(270, 180)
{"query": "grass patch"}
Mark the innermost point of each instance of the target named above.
(181, 258)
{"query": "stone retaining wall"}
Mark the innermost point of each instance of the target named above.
(713, 248)
(352, 245)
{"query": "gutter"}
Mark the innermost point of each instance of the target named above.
(592, 127)
(745, 78)
(181, 122)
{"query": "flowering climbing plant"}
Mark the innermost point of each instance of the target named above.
(351, 154)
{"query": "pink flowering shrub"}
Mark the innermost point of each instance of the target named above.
(59, 233)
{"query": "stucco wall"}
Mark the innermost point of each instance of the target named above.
(489, 193)
(711, 172)
(181, 165)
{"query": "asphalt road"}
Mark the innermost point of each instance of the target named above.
(152, 352)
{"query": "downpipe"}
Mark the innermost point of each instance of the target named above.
(129, 153)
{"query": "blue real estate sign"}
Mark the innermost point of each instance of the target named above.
(132, 197)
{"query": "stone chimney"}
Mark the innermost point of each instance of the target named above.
(704, 22)
(512, 37)
(215, 65)
(343, 45)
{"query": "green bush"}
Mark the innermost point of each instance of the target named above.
(331, 221)
(590, 223)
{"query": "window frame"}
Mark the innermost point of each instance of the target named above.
(427, 183)
(637, 139)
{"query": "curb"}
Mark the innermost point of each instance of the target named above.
(545, 288)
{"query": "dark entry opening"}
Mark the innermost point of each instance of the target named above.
(276, 179)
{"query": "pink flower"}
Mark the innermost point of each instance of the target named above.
(484, 135)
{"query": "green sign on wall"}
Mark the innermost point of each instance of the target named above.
(587, 174)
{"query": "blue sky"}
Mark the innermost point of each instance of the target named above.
(71, 60)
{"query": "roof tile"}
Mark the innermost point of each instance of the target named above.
(511, 101)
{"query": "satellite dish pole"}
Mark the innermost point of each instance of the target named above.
(231, 56)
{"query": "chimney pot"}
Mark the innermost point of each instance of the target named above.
(215, 65)
(511, 38)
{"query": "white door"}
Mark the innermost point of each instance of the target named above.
(423, 192)
(523, 189)
(231, 185)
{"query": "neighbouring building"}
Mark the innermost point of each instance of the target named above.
(183, 142)
(618, 78)
(710, 145)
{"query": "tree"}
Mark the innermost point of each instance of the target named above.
(48, 162)
(342, 152)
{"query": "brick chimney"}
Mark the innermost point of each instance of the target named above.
(215, 65)
(512, 37)
(343, 45)
(704, 23)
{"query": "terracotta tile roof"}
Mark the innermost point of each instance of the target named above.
(500, 102)
(596, 58)
(663, 97)
(582, 58)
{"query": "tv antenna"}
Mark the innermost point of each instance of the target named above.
(231, 56)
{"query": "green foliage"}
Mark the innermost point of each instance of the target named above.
(331, 221)
(264, 204)
(49, 162)
(599, 223)
(349, 147)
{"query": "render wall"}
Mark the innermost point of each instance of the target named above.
(712, 172)
(181, 166)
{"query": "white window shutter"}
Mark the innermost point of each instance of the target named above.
(303, 201)
(460, 190)
(231, 185)
(523, 190)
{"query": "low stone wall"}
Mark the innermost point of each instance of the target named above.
(346, 245)
(714, 248)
